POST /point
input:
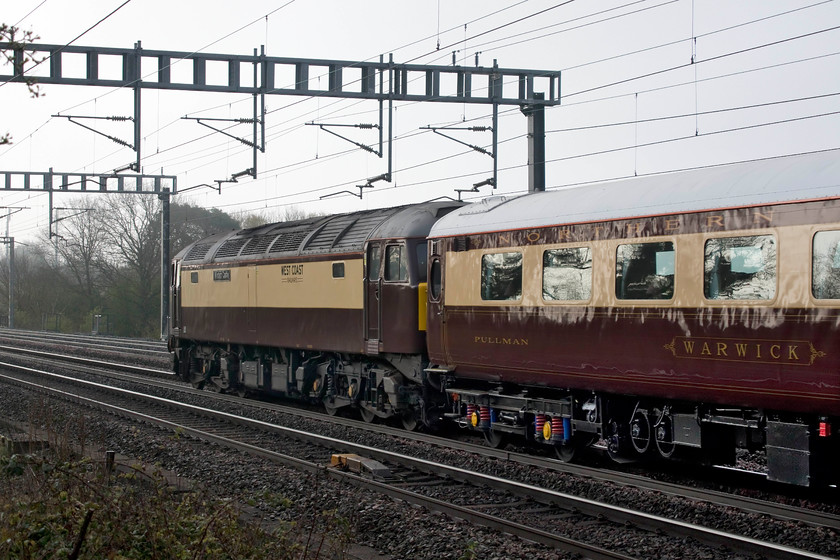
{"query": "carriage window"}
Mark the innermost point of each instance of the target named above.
(740, 268)
(645, 271)
(501, 276)
(825, 273)
(396, 267)
(338, 270)
(422, 249)
(193, 277)
(567, 274)
(435, 285)
(374, 259)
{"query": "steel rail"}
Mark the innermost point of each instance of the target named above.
(746, 504)
(618, 514)
(478, 518)
(126, 368)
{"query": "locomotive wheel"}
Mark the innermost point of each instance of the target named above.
(197, 379)
(567, 451)
(331, 408)
(367, 415)
(409, 420)
(495, 440)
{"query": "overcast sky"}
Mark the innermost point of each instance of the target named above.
(765, 83)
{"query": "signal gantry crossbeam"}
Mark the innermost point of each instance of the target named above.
(261, 75)
(469, 80)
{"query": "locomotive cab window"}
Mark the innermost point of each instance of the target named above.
(373, 261)
(396, 266)
(501, 276)
(422, 250)
(825, 273)
(645, 271)
(567, 274)
(740, 268)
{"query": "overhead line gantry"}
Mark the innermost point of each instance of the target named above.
(382, 81)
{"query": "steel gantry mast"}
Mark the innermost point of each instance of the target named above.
(531, 90)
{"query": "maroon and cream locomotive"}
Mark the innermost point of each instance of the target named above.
(681, 314)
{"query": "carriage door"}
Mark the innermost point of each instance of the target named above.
(373, 296)
(436, 317)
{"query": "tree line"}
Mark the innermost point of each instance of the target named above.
(100, 270)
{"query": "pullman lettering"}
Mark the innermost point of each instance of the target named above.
(790, 352)
(508, 341)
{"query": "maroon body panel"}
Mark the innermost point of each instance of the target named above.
(337, 330)
(791, 366)
(400, 333)
(741, 354)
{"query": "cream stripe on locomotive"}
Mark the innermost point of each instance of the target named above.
(309, 284)
(793, 272)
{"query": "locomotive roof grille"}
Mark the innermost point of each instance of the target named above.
(257, 245)
(288, 242)
(359, 231)
(230, 248)
(198, 251)
(348, 231)
(338, 233)
(323, 239)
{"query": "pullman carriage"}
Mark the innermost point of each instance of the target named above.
(689, 313)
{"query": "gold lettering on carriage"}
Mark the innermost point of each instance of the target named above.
(503, 340)
(788, 352)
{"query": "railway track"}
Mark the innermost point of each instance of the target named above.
(423, 482)
(92, 343)
(139, 374)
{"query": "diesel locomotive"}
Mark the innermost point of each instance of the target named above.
(689, 314)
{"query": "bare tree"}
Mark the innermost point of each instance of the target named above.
(79, 250)
(132, 261)
(38, 299)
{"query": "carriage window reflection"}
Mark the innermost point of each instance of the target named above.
(501, 276)
(825, 274)
(740, 268)
(567, 274)
(645, 271)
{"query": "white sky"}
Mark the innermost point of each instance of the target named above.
(774, 53)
